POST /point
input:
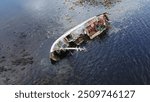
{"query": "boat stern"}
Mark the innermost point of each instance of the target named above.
(53, 57)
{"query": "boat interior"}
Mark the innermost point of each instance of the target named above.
(94, 27)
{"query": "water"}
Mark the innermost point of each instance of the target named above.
(28, 28)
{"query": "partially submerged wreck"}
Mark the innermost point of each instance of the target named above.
(74, 37)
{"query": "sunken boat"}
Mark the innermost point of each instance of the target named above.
(72, 39)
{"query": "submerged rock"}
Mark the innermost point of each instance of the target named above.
(105, 3)
(23, 61)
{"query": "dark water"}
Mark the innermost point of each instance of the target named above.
(28, 28)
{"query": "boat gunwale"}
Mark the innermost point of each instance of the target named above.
(68, 32)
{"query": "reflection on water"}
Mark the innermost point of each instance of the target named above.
(28, 28)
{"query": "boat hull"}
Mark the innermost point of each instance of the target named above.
(89, 29)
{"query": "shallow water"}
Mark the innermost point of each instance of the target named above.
(28, 28)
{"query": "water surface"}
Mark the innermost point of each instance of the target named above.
(28, 28)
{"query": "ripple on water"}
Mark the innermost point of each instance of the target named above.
(119, 57)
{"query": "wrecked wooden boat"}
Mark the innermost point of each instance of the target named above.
(71, 40)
